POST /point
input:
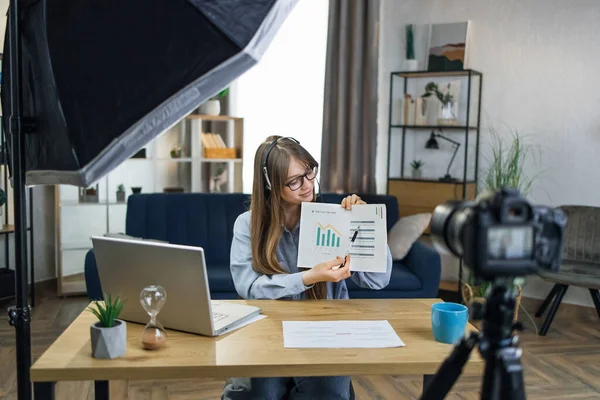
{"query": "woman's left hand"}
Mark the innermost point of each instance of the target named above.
(349, 201)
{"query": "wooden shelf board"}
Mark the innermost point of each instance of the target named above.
(7, 229)
(432, 180)
(442, 127)
(426, 74)
(214, 160)
(213, 117)
(449, 286)
(180, 159)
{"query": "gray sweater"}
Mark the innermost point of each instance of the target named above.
(252, 285)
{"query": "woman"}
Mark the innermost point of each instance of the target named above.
(264, 253)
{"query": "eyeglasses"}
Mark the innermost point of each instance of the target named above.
(298, 182)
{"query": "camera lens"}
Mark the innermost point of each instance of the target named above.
(447, 224)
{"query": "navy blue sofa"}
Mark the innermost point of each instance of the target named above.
(206, 220)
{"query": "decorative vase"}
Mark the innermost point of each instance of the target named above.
(416, 173)
(211, 107)
(109, 342)
(216, 185)
(411, 65)
(431, 110)
(121, 196)
(448, 114)
(136, 189)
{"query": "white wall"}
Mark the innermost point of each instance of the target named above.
(540, 62)
(283, 93)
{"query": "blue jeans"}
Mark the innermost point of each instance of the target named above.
(322, 387)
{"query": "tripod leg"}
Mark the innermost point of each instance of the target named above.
(512, 386)
(438, 386)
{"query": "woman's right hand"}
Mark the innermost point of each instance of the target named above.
(324, 272)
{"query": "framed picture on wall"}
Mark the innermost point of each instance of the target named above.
(448, 47)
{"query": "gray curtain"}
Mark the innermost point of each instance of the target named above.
(350, 105)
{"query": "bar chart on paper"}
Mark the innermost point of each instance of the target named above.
(328, 236)
(326, 230)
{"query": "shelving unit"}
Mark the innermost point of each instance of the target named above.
(77, 222)
(423, 194)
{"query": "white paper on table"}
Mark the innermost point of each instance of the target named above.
(326, 230)
(340, 334)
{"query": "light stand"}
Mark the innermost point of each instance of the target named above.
(19, 316)
(433, 144)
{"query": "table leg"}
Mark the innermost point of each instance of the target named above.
(426, 380)
(101, 390)
(43, 390)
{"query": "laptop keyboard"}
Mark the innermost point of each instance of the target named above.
(218, 316)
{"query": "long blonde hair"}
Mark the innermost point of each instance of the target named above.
(267, 206)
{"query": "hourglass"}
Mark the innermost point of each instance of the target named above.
(153, 298)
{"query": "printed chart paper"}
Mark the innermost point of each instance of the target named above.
(326, 230)
(340, 334)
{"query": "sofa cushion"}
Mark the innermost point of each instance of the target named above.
(406, 232)
(219, 278)
(402, 279)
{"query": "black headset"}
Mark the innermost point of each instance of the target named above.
(264, 167)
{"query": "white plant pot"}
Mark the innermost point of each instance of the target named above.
(411, 65)
(211, 107)
(108, 342)
(416, 173)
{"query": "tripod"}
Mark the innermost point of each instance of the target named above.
(503, 376)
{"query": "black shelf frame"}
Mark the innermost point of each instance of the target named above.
(470, 75)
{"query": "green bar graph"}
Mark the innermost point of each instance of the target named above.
(338, 243)
(323, 240)
(318, 234)
(328, 237)
(333, 240)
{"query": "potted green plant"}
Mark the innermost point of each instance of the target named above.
(410, 64)
(121, 193)
(416, 168)
(109, 333)
(506, 169)
(213, 105)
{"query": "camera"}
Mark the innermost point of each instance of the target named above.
(500, 234)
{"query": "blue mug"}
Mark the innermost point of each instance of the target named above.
(449, 321)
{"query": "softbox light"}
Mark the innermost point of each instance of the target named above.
(103, 78)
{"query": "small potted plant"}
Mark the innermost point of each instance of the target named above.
(88, 194)
(121, 193)
(176, 151)
(109, 333)
(410, 64)
(416, 168)
(213, 106)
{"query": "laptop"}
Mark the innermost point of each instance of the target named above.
(126, 266)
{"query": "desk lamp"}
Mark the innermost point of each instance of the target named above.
(432, 143)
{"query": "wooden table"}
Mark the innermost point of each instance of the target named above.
(255, 350)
